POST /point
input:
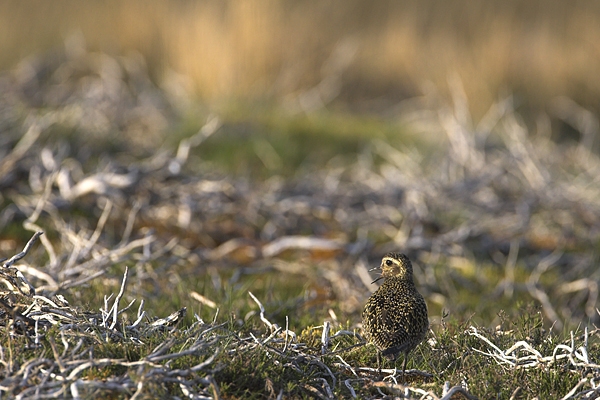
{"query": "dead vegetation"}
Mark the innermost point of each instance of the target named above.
(497, 217)
(360, 51)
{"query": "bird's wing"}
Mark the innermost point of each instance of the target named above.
(392, 324)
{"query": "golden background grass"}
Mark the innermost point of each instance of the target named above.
(352, 50)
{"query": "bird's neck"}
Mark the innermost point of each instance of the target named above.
(407, 280)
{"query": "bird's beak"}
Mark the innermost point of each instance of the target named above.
(375, 269)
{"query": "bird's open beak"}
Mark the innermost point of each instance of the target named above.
(374, 269)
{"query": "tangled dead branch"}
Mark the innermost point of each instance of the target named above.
(523, 355)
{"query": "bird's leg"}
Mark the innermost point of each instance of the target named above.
(379, 362)
(404, 365)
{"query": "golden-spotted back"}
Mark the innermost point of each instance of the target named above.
(395, 316)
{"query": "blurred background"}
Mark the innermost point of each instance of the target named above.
(363, 55)
(281, 147)
(463, 133)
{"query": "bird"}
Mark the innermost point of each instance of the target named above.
(395, 316)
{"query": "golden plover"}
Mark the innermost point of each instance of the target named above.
(395, 316)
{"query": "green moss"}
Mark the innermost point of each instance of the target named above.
(265, 140)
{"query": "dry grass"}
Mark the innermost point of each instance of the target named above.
(354, 50)
(107, 354)
(502, 223)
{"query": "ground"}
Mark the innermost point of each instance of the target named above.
(227, 255)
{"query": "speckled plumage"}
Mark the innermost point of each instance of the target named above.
(395, 316)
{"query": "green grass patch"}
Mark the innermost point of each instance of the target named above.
(265, 140)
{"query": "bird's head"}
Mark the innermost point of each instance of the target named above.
(395, 265)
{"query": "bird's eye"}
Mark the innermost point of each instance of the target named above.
(388, 263)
